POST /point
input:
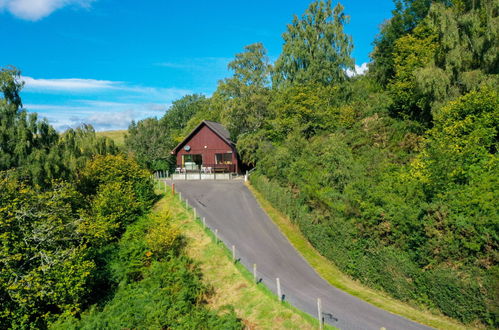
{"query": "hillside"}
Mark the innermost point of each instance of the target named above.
(118, 136)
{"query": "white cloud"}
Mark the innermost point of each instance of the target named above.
(34, 10)
(359, 70)
(75, 85)
(71, 84)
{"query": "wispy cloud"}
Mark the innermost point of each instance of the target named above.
(34, 10)
(75, 85)
(359, 70)
(70, 84)
(197, 64)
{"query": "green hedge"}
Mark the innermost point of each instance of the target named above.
(463, 296)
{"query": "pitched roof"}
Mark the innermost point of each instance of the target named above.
(217, 128)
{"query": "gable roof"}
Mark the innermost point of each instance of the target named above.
(217, 128)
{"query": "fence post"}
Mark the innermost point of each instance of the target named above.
(216, 236)
(233, 253)
(173, 188)
(279, 295)
(319, 312)
(194, 210)
(254, 273)
(204, 222)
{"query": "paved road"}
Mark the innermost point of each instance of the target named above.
(231, 208)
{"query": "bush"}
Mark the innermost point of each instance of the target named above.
(158, 287)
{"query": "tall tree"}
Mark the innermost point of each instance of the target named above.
(244, 97)
(316, 48)
(406, 15)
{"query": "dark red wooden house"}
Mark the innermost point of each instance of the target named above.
(208, 149)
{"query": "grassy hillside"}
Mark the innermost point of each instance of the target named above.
(118, 136)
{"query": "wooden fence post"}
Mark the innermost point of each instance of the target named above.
(279, 295)
(319, 312)
(254, 273)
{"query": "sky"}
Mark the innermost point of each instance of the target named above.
(108, 62)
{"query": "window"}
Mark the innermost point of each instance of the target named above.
(225, 158)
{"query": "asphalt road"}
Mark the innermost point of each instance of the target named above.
(231, 208)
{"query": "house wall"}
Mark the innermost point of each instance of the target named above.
(206, 143)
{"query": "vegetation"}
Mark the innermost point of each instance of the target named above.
(391, 175)
(330, 272)
(76, 243)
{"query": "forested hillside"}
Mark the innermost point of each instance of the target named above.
(392, 175)
(77, 242)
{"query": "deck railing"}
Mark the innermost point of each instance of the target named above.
(206, 168)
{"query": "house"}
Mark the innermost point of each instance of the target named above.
(207, 149)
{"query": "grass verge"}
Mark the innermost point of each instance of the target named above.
(327, 270)
(232, 283)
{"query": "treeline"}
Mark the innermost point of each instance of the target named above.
(392, 175)
(77, 240)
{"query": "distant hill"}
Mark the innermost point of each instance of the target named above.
(118, 136)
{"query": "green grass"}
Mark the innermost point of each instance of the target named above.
(335, 277)
(232, 283)
(117, 136)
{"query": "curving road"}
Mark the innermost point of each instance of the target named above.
(231, 208)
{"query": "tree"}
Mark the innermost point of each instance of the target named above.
(411, 53)
(150, 140)
(45, 266)
(316, 49)
(243, 99)
(406, 16)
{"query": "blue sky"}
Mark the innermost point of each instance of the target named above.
(106, 62)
